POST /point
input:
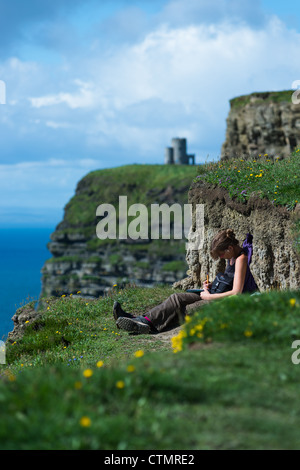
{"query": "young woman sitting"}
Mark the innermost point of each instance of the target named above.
(169, 313)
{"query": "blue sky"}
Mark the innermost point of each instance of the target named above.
(96, 84)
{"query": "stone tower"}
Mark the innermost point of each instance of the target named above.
(177, 153)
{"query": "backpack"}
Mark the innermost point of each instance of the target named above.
(223, 281)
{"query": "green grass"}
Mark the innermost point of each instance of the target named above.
(82, 329)
(262, 97)
(273, 179)
(269, 318)
(74, 382)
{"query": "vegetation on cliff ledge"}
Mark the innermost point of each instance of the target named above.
(262, 97)
(272, 178)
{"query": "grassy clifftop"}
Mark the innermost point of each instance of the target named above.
(145, 184)
(262, 97)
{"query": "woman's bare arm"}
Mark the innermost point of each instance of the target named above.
(238, 281)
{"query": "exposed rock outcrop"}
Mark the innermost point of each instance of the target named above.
(262, 123)
(275, 261)
(23, 317)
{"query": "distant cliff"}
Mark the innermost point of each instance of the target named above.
(82, 262)
(262, 123)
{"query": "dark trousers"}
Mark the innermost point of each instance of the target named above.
(171, 312)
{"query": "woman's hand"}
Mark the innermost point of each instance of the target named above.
(206, 295)
(206, 285)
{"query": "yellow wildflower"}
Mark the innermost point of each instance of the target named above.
(248, 333)
(130, 368)
(292, 302)
(100, 363)
(139, 353)
(177, 341)
(11, 377)
(87, 373)
(85, 422)
(120, 384)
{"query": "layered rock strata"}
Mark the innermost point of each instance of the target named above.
(262, 123)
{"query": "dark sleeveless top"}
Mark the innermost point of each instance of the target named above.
(249, 284)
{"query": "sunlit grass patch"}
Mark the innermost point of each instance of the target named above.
(271, 317)
(271, 178)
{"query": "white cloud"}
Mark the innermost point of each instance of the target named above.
(195, 69)
(82, 99)
(176, 81)
(58, 125)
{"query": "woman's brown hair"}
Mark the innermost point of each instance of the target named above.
(222, 241)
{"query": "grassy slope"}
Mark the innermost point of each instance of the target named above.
(232, 385)
(225, 390)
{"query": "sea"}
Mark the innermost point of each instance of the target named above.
(23, 252)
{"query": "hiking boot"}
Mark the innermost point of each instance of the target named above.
(135, 325)
(119, 312)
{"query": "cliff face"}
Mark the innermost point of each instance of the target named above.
(262, 123)
(82, 262)
(275, 262)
